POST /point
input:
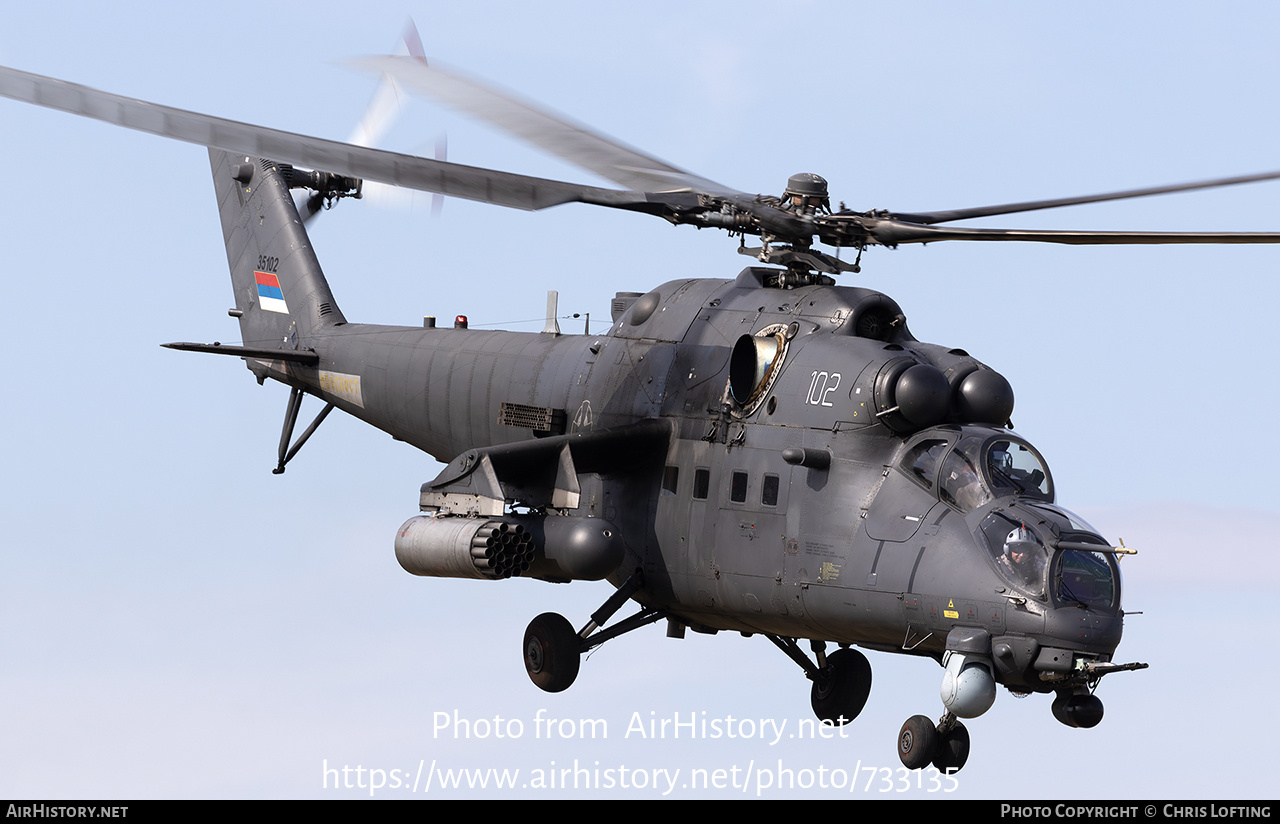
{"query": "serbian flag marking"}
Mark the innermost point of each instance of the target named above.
(270, 295)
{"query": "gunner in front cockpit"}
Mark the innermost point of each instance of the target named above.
(1023, 556)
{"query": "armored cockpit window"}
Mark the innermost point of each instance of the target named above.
(921, 461)
(1086, 578)
(1014, 466)
(1068, 521)
(738, 489)
(1018, 553)
(960, 484)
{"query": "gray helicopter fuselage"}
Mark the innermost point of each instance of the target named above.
(729, 534)
(771, 454)
(774, 497)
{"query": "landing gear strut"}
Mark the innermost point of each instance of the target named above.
(290, 419)
(553, 649)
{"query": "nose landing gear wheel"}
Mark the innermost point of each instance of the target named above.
(917, 742)
(840, 691)
(952, 749)
(552, 652)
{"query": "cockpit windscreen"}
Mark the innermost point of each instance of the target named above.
(981, 468)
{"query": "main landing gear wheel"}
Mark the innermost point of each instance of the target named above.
(840, 691)
(552, 652)
(917, 742)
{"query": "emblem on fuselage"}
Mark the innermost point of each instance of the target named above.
(346, 387)
(270, 295)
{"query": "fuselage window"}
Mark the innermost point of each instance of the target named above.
(769, 491)
(738, 491)
(701, 483)
(670, 480)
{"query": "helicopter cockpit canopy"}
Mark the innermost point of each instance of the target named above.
(1022, 538)
(984, 464)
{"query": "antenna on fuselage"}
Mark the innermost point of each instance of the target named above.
(553, 325)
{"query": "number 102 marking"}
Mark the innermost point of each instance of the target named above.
(821, 387)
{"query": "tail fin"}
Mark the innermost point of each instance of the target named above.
(280, 290)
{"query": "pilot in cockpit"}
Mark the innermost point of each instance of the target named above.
(969, 491)
(1023, 556)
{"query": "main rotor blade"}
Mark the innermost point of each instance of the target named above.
(531, 193)
(543, 128)
(894, 232)
(486, 185)
(947, 216)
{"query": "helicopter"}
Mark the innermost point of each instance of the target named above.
(773, 454)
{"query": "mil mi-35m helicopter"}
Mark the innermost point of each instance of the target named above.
(773, 454)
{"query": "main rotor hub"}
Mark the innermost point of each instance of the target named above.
(806, 192)
(806, 184)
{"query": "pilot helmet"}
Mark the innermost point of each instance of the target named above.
(1020, 540)
(1001, 459)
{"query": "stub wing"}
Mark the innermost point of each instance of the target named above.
(542, 472)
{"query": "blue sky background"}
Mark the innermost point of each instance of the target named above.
(175, 621)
